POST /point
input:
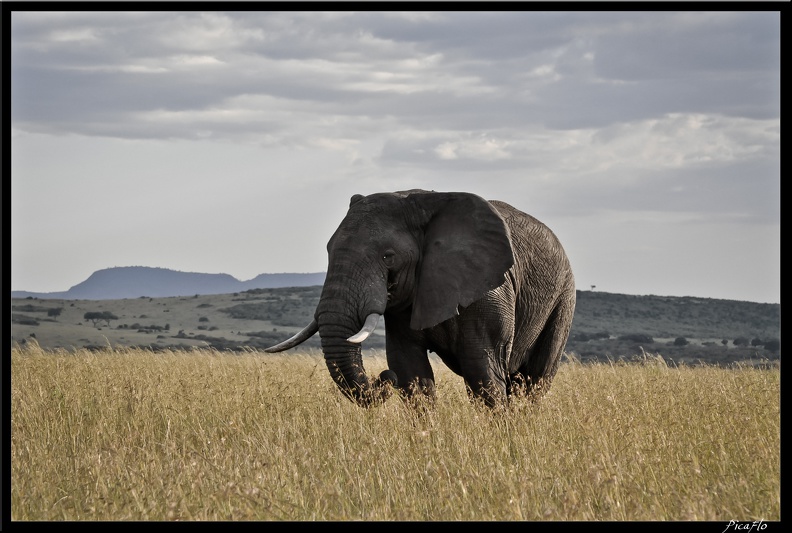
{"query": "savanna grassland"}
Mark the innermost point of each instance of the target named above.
(133, 434)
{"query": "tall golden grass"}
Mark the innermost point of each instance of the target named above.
(130, 434)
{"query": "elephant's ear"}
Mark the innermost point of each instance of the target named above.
(355, 199)
(466, 252)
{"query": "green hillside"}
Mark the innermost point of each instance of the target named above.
(606, 325)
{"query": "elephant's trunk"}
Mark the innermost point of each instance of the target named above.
(340, 316)
(345, 362)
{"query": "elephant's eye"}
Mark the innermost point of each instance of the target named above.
(388, 258)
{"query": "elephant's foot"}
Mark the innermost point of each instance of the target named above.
(385, 384)
(490, 393)
(420, 394)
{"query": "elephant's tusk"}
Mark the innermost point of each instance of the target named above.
(302, 336)
(365, 331)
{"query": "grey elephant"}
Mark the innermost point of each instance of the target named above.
(486, 287)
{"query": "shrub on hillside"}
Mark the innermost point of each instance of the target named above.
(772, 345)
(100, 316)
(637, 337)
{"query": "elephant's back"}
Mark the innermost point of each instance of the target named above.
(514, 216)
(543, 282)
(527, 229)
(539, 256)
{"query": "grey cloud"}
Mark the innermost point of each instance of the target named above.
(746, 44)
(571, 104)
(480, 35)
(745, 192)
(424, 154)
(499, 49)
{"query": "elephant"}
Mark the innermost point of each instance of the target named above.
(486, 287)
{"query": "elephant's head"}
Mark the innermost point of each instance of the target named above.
(415, 252)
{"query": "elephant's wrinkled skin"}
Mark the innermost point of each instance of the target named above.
(486, 287)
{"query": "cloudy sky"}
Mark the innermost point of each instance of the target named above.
(231, 142)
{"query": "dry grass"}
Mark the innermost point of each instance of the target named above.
(203, 435)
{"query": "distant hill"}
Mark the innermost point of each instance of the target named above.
(674, 316)
(133, 282)
(606, 326)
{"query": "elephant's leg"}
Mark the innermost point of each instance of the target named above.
(487, 330)
(410, 362)
(485, 376)
(536, 374)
